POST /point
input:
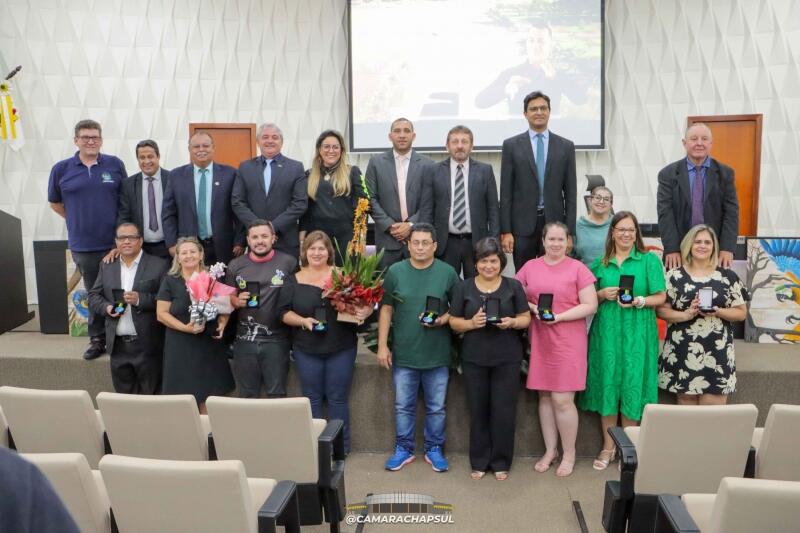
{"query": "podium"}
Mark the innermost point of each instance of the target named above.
(50, 260)
(13, 296)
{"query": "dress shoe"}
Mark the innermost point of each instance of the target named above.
(96, 348)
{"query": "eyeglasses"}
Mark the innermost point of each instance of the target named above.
(541, 109)
(124, 238)
(602, 199)
(421, 244)
(331, 147)
(629, 231)
(89, 138)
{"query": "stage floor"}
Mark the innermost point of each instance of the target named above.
(767, 374)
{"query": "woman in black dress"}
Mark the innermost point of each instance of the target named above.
(697, 361)
(324, 359)
(334, 187)
(195, 358)
(491, 356)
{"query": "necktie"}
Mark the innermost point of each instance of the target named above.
(402, 174)
(459, 202)
(151, 205)
(540, 166)
(202, 224)
(697, 197)
(267, 175)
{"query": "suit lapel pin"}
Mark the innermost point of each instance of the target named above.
(280, 166)
(216, 183)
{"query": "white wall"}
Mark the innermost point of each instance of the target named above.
(146, 69)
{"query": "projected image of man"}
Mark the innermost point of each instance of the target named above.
(537, 182)
(394, 180)
(537, 71)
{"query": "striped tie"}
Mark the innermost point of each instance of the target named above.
(459, 203)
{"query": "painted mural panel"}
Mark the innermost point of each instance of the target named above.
(773, 280)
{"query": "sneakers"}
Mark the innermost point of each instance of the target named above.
(399, 459)
(435, 458)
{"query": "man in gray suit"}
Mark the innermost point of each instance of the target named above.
(272, 187)
(394, 180)
(464, 208)
(537, 182)
(125, 293)
(697, 190)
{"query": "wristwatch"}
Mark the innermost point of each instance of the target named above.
(640, 302)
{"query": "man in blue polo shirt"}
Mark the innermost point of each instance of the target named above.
(84, 189)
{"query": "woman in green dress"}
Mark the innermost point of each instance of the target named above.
(623, 341)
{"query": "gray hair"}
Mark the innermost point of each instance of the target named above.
(693, 125)
(266, 125)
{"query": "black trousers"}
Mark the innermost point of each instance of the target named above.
(492, 393)
(133, 370)
(158, 249)
(261, 362)
(530, 247)
(458, 254)
(88, 264)
(391, 257)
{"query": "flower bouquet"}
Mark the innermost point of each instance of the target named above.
(209, 297)
(358, 283)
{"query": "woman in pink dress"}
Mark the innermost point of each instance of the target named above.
(558, 341)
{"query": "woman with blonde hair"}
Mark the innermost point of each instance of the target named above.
(195, 358)
(697, 360)
(334, 187)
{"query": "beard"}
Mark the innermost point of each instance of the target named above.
(261, 253)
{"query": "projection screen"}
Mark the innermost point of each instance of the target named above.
(447, 62)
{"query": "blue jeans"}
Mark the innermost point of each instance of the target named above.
(328, 377)
(434, 391)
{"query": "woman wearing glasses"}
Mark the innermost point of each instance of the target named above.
(623, 341)
(334, 187)
(591, 230)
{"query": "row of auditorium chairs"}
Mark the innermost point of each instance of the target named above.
(681, 452)
(156, 495)
(273, 438)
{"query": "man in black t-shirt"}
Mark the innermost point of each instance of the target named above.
(261, 349)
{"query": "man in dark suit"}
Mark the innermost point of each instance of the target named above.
(141, 198)
(272, 187)
(537, 182)
(684, 201)
(197, 203)
(394, 180)
(134, 336)
(464, 207)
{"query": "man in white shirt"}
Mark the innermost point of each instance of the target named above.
(125, 292)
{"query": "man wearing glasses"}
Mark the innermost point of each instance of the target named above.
(84, 189)
(538, 182)
(125, 292)
(415, 305)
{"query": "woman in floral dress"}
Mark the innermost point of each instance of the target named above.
(697, 361)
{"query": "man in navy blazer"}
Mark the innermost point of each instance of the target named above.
(197, 203)
(538, 182)
(464, 209)
(715, 202)
(287, 198)
(137, 206)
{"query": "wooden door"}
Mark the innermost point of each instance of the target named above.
(736, 142)
(233, 143)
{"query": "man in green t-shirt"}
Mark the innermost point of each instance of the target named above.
(420, 350)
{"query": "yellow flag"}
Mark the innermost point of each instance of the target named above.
(10, 125)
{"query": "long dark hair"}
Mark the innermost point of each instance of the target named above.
(611, 248)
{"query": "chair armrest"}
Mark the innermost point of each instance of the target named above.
(750, 466)
(672, 516)
(280, 505)
(106, 444)
(628, 458)
(11, 445)
(212, 448)
(331, 452)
